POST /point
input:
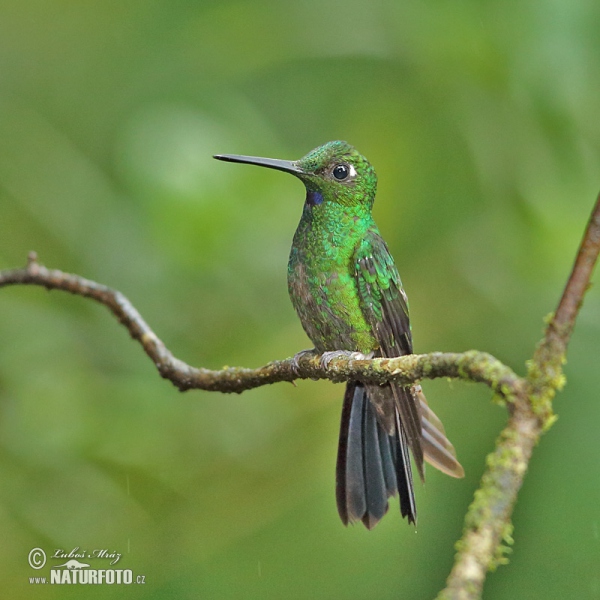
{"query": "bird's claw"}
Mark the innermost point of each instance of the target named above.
(327, 357)
(296, 359)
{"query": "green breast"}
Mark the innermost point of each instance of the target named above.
(321, 278)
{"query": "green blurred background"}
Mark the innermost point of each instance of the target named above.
(481, 119)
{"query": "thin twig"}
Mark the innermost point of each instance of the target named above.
(579, 281)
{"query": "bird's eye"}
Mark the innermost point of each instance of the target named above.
(341, 172)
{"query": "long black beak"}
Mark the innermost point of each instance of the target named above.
(272, 163)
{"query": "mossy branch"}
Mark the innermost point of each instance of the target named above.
(487, 524)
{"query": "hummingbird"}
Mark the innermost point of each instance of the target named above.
(346, 289)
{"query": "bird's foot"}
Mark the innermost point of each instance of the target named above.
(327, 357)
(296, 359)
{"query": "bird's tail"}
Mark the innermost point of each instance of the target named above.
(373, 465)
(437, 449)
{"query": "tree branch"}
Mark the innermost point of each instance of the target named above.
(472, 365)
(488, 520)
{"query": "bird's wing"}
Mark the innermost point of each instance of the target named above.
(384, 302)
(385, 307)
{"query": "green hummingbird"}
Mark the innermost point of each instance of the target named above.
(347, 292)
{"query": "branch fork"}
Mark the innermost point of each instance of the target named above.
(488, 528)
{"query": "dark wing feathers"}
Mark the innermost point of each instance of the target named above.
(384, 301)
(384, 305)
(380, 423)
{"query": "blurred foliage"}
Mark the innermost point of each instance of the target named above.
(482, 121)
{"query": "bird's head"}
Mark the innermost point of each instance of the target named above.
(334, 172)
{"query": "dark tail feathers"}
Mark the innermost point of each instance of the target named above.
(371, 465)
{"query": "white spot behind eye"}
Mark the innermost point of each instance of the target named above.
(352, 170)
